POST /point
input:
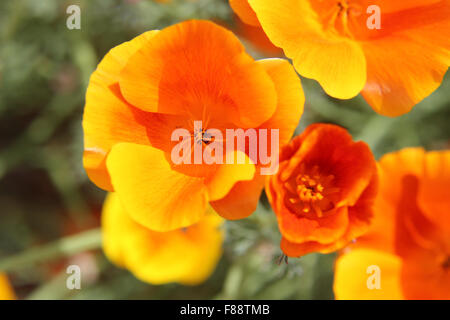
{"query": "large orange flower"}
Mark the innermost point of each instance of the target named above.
(394, 67)
(409, 240)
(187, 256)
(6, 290)
(164, 80)
(323, 192)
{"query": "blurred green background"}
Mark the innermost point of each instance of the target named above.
(49, 211)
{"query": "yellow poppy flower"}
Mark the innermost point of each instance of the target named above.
(186, 256)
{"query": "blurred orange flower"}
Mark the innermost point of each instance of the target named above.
(409, 238)
(186, 256)
(146, 88)
(6, 290)
(394, 65)
(323, 192)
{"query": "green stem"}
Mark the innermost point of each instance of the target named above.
(88, 240)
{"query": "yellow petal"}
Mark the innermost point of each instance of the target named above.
(242, 200)
(337, 63)
(291, 98)
(227, 175)
(351, 276)
(156, 196)
(107, 118)
(6, 290)
(187, 256)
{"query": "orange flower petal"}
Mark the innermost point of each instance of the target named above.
(194, 64)
(394, 6)
(242, 200)
(311, 144)
(291, 98)
(361, 214)
(351, 277)
(393, 168)
(227, 175)
(323, 230)
(424, 279)
(433, 197)
(244, 11)
(107, 118)
(353, 182)
(6, 290)
(296, 250)
(155, 195)
(406, 66)
(337, 63)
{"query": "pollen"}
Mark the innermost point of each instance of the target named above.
(312, 192)
(202, 136)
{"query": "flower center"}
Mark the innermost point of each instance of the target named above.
(202, 136)
(313, 192)
(340, 20)
(309, 189)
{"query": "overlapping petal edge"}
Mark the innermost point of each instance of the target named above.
(394, 67)
(145, 88)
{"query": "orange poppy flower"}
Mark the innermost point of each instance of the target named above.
(6, 290)
(408, 240)
(163, 80)
(394, 63)
(186, 256)
(323, 192)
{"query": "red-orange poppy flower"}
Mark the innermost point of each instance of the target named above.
(323, 192)
(165, 80)
(394, 52)
(409, 239)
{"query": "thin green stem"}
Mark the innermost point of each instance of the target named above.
(87, 240)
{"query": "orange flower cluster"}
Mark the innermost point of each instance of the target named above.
(409, 238)
(327, 191)
(143, 91)
(323, 191)
(394, 65)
